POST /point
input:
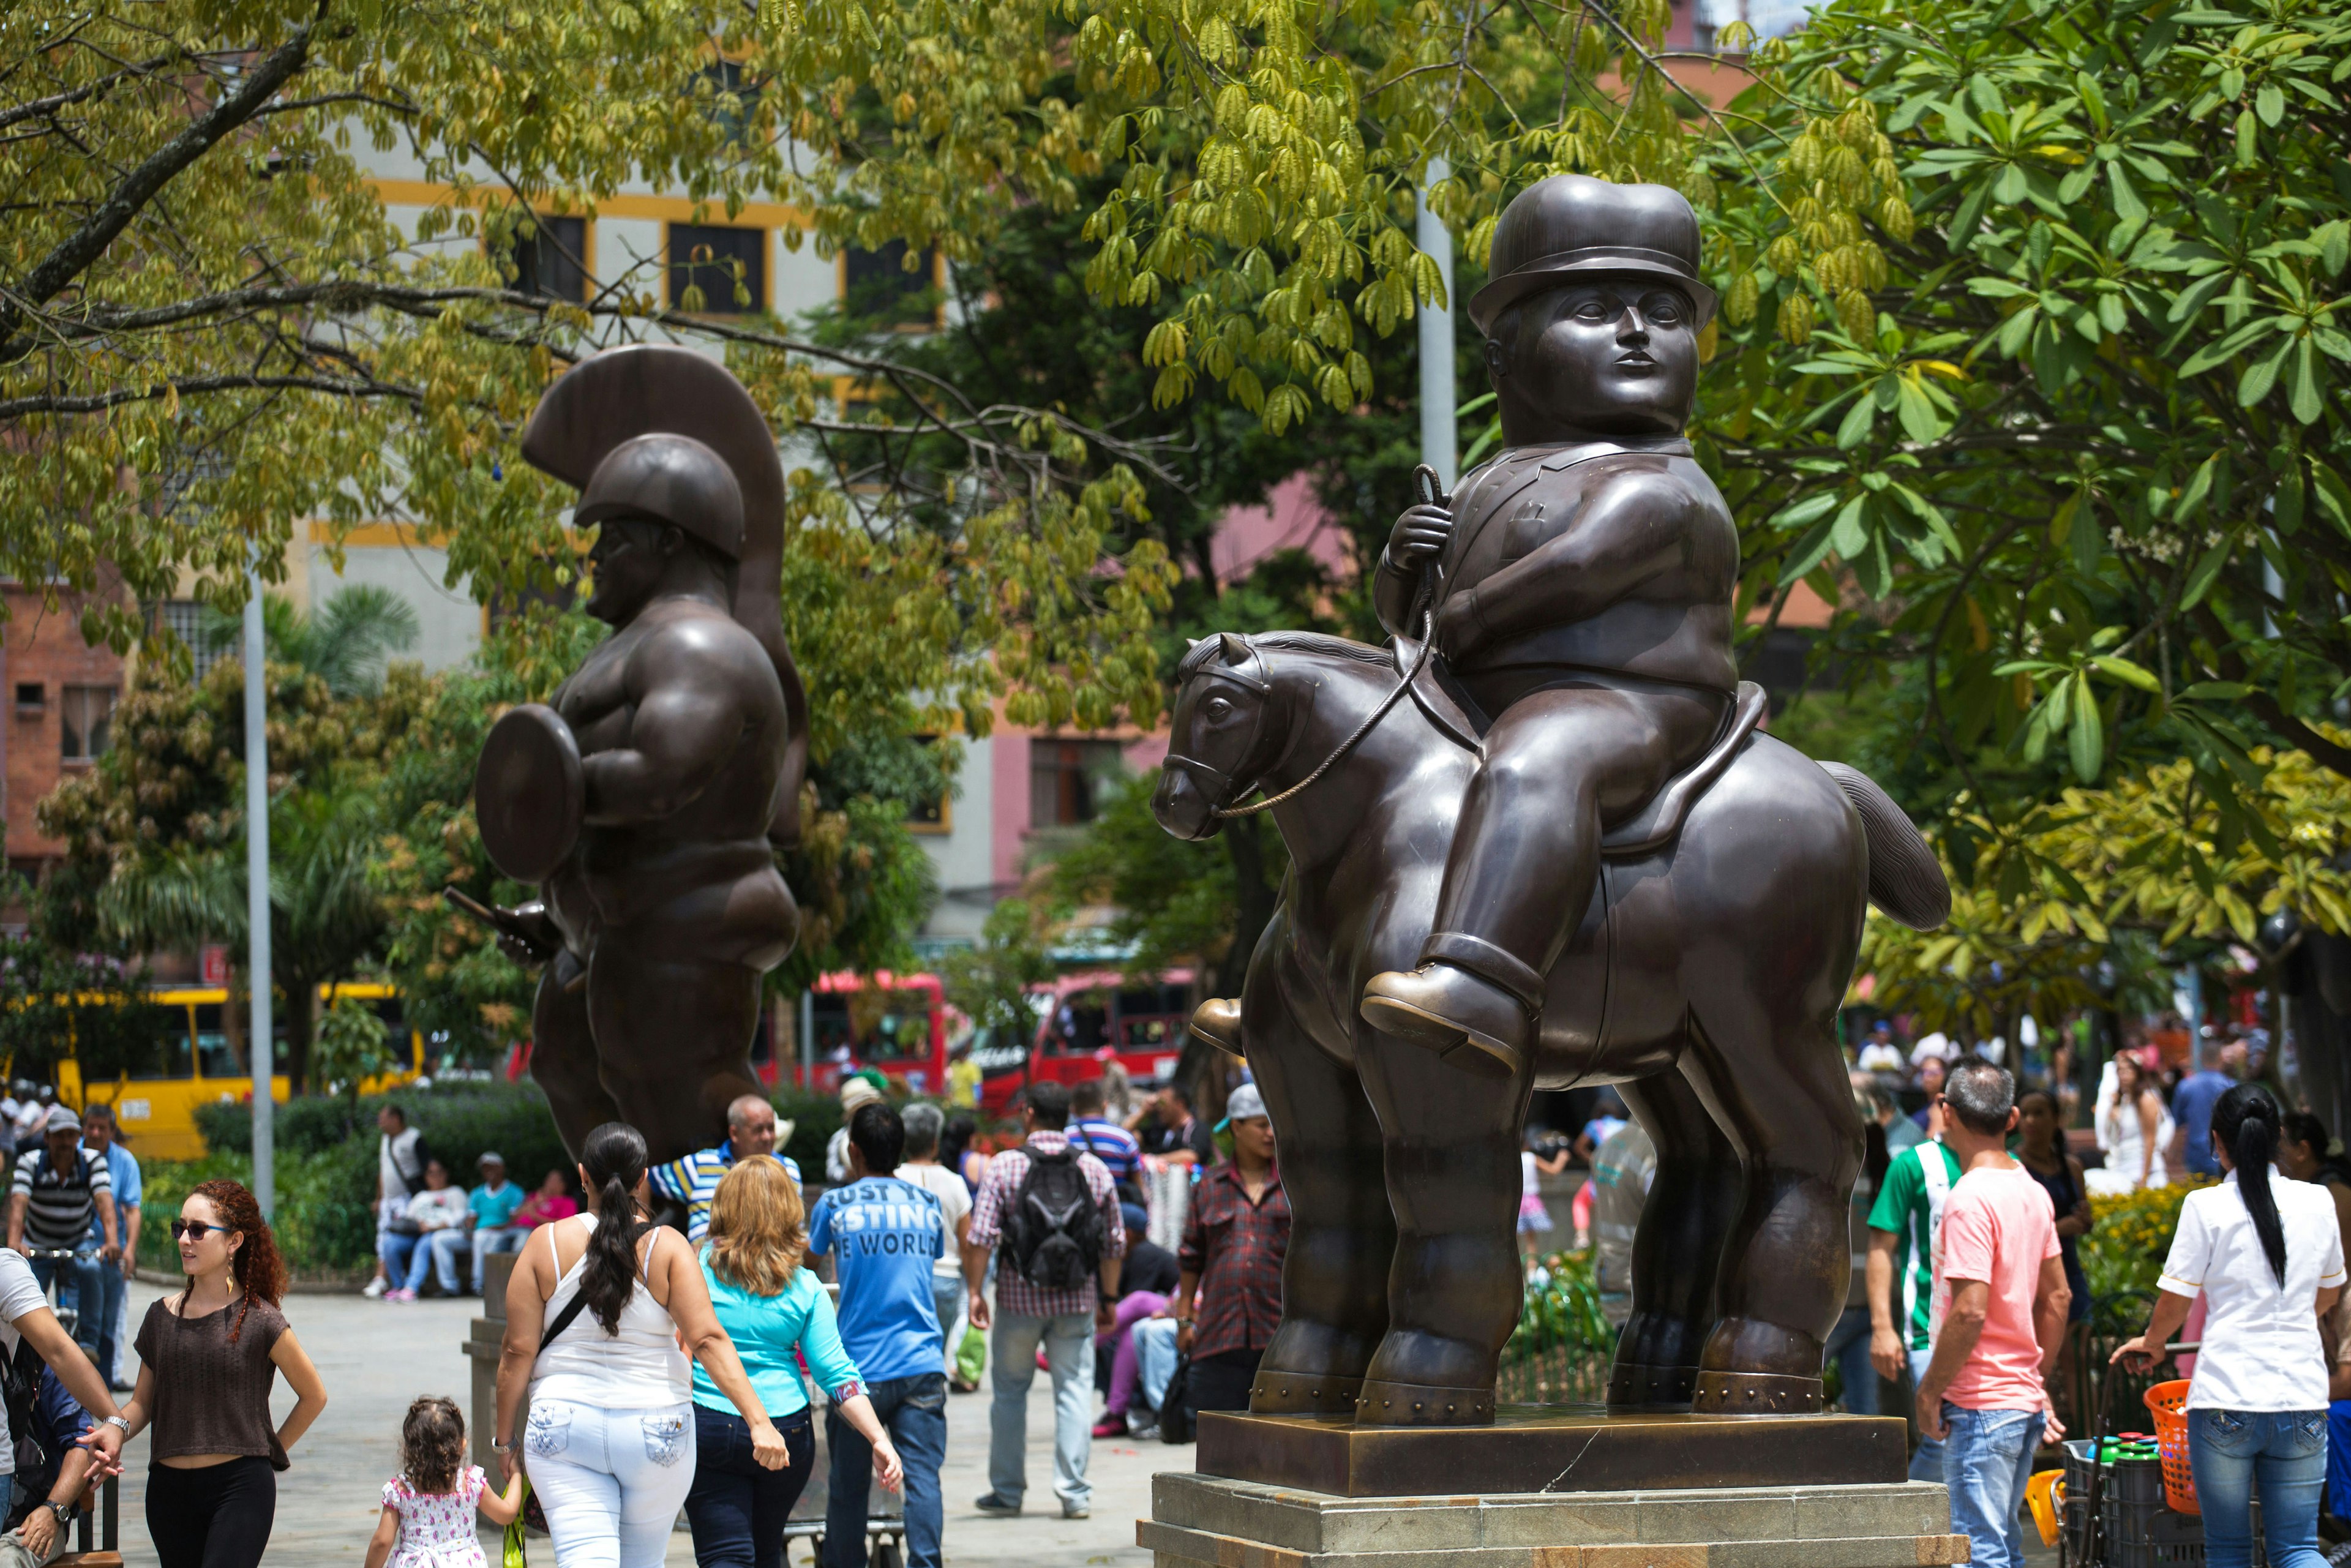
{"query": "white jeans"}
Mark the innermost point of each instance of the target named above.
(611, 1481)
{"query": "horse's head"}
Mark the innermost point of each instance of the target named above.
(1219, 743)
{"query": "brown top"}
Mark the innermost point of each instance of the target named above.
(212, 1396)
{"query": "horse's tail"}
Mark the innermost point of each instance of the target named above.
(1906, 881)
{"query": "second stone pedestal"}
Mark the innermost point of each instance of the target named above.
(1210, 1521)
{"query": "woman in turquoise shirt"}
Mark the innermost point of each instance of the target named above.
(775, 1312)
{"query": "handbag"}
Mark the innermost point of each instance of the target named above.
(533, 1516)
(513, 1555)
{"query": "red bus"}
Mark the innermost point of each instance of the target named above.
(896, 1024)
(1087, 1019)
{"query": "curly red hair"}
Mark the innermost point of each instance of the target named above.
(259, 1271)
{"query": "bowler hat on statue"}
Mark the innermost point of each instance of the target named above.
(672, 479)
(1573, 226)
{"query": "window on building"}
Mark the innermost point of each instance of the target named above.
(878, 283)
(1066, 779)
(88, 715)
(184, 619)
(32, 697)
(727, 81)
(717, 261)
(553, 261)
(929, 814)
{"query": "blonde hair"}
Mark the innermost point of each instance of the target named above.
(758, 1231)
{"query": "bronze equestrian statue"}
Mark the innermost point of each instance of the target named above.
(649, 803)
(1570, 858)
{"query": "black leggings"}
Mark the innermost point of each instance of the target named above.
(216, 1517)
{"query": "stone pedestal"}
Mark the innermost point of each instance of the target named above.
(1211, 1522)
(484, 1336)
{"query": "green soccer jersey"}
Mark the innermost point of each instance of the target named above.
(1906, 1206)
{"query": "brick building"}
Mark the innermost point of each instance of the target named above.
(60, 695)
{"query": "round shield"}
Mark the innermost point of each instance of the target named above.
(530, 794)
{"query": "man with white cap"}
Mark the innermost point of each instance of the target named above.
(1236, 1235)
(857, 1092)
(58, 1188)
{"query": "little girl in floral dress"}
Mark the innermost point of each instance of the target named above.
(429, 1507)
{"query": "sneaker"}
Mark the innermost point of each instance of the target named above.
(403, 1294)
(996, 1507)
(1111, 1427)
(1144, 1434)
(1077, 1510)
(376, 1288)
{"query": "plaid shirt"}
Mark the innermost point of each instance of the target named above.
(1236, 1248)
(998, 1189)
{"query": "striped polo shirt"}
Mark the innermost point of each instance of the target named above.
(61, 1201)
(695, 1179)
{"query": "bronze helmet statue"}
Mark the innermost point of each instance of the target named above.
(1573, 223)
(672, 479)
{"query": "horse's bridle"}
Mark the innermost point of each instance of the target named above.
(1424, 483)
(1215, 782)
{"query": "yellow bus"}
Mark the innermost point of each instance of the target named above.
(191, 1065)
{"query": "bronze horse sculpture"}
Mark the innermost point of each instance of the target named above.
(1703, 980)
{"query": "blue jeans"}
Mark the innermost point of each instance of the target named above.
(398, 1251)
(1068, 1341)
(2285, 1452)
(83, 1285)
(737, 1510)
(1987, 1462)
(1848, 1346)
(113, 1291)
(914, 1411)
(1926, 1464)
(1155, 1355)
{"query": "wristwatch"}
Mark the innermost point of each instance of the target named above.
(118, 1419)
(63, 1511)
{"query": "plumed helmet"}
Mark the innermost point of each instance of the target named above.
(672, 479)
(1573, 223)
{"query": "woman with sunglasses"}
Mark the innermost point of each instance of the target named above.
(207, 1357)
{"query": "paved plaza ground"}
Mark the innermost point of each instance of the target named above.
(376, 1357)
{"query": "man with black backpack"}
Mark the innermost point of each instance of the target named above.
(1050, 1214)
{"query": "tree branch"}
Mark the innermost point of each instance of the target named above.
(73, 255)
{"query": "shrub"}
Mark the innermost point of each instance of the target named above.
(2131, 1233)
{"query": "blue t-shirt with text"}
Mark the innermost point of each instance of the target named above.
(883, 1235)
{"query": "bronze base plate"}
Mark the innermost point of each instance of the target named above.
(1552, 1448)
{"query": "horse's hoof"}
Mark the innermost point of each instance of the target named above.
(1384, 1404)
(1217, 1020)
(1652, 1387)
(1757, 1394)
(1471, 1021)
(1279, 1393)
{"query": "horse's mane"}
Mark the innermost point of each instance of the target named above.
(1207, 650)
(1316, 642)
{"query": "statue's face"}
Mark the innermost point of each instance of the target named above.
(1614, 356)
(625, 567)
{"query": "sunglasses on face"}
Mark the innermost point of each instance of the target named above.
(195, 1229)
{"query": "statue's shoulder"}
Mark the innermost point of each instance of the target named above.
(687, 635)
(1664, 484)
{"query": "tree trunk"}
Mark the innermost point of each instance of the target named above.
(301, 1006)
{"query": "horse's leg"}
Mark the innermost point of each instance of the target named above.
(1334, 1280)
(1455, 1290)
(1779, 1089)
(1693, 1201)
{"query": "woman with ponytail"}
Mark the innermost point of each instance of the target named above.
(207, 1357)
(595, 1319)
(2264, 1251)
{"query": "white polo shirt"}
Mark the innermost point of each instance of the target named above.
(2262, 1350)
(20, 1294)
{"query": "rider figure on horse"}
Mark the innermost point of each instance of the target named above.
(1580, 586)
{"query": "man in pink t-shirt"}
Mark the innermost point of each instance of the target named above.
(2002, 1295)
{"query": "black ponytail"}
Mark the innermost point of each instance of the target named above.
(2246, 1122)
(614, 1154)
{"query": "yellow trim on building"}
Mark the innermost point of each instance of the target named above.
(621, 204)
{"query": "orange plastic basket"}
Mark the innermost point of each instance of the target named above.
(2164, 1401)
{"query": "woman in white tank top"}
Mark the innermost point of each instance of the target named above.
(596, 1311)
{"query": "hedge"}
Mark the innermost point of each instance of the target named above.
(326, 1149)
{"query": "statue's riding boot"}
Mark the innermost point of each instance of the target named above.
(1471, 1020)
(1217, 1020)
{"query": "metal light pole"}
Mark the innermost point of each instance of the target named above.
(261, 1056)
(1440, 436)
